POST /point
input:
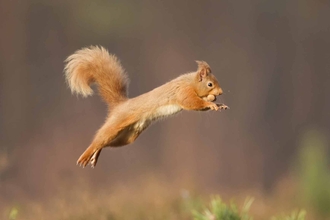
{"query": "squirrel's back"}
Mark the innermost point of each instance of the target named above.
(95, 64)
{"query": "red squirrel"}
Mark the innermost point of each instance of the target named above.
(128, 117)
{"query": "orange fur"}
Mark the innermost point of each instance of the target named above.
(128, 118)
(95, 64)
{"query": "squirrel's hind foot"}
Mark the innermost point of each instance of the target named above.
(89, 156)
(94, 158)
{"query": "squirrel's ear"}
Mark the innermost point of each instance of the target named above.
(203, 69)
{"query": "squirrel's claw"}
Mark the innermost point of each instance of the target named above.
(222, 106)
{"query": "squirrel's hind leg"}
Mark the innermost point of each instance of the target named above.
(105, 137)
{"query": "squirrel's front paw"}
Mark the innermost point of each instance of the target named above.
(213, 106)
(222, 106)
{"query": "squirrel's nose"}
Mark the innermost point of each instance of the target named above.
(220, 91)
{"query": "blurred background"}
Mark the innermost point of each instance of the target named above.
(272, 59)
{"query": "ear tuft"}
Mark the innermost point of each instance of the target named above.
(203, 69)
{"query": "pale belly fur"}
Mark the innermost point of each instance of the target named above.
(129, 134)
(161, 112)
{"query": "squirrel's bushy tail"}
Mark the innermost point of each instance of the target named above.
(95, 64)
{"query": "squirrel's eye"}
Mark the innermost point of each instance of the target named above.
(209, 84)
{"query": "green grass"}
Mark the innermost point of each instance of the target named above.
(295, 215)
(183, 209)
(219, 210)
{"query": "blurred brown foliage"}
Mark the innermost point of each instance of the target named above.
(272, 59)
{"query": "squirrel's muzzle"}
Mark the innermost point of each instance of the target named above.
(220, 91)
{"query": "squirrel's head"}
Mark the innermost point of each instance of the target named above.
(207, 84)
